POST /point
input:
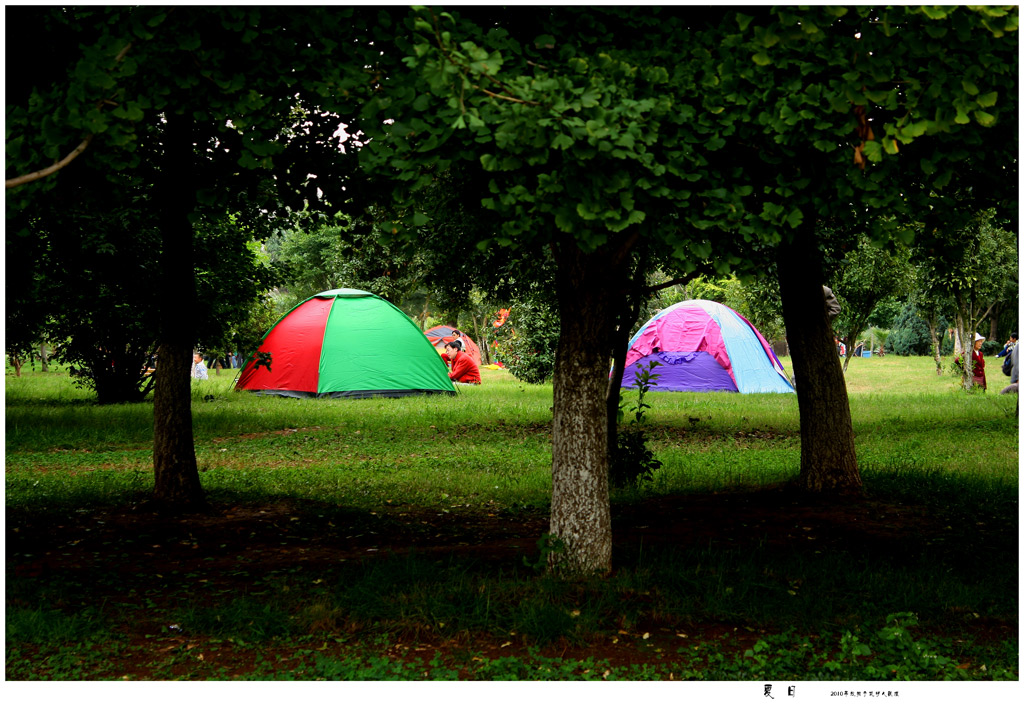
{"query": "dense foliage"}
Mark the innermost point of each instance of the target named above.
(968, 276)
(909, 334)
(93, 277)
(345, 255)
(866, 276)
(525, 344)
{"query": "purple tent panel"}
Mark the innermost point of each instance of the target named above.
(694, 372)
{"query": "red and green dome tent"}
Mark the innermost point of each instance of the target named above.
(345, 343)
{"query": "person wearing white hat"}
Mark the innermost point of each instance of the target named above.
(979, 362)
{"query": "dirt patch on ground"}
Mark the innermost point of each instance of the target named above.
(282, 532)
(224, 548)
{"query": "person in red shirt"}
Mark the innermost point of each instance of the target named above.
(463, 369)
(979, 362)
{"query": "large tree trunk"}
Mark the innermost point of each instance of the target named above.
(828, 461)
(174, 458)
(580, 510)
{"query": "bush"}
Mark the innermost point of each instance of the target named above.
(634, 463)
(909, 334)
(527, 342)
(885, 313)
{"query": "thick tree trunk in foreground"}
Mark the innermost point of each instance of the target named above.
(174, 456)
(828, 461)
(580, 509)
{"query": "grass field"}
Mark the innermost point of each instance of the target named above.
(390, 539)
(488, 442)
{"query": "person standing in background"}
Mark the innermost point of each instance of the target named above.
(199, 367)
(979, 361)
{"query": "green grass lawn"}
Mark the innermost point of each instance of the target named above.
(340, 542)
(490, 442)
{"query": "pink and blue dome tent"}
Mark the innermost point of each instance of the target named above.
(705, 346)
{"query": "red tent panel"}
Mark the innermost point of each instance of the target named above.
(295, 363)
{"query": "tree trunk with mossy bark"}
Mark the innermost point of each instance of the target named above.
(580, 508)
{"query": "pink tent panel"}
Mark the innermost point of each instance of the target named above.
(695, 333)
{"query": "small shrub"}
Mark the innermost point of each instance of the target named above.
(634, 463)
(546, 546)
(898, 655)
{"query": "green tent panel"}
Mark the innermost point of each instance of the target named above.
(345, 343)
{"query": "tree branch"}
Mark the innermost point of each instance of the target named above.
(463, 69)
(506, 97)
(705, 268)
(55, 167)
(670, 282)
